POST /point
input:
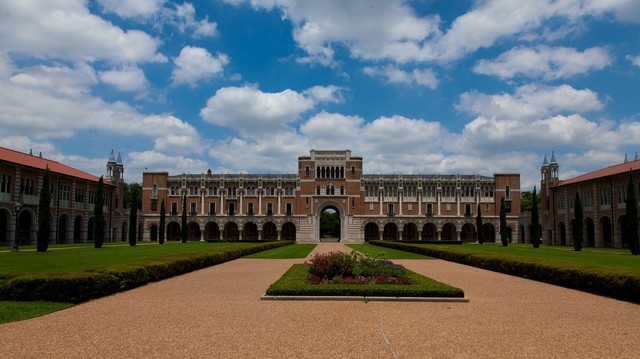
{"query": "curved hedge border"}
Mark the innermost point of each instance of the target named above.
(77, 287)
(610, 283)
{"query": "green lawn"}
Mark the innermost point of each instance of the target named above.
(593, 257)
(385, 253)
(286, 252)
(87, 257)
(14, 311)
(71, 245)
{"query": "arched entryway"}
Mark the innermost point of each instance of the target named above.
(231, 232)
(468, 233)
(269, 231)
(153, 232)
(77, 229)
(371, 232)
(4, 226)
(590, 228)
(250, 232)
(410, 232)
(330, 223)
(489, 233)
(288, 232)
(605, 228)
(563, 234)
(193, 231)
(390, 232)
(448, 232)
(429, 232)
(63, 222)
(25, 223)
(213, 231)
(173, 231)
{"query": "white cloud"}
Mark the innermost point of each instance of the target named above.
(60, 81)
(185, 21)
(320, 94)
(128, 79)
(197, 64)
(530, 102)
(545, 62)
(156, 161)
(65, 29)
(378, 30)
(634, 59)
(254, 113)
(393, 74)
(128, 8)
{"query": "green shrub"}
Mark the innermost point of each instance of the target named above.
(76, 287)
(624, 286)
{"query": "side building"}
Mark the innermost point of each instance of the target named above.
(72, 199)
(603, 195)
(289, 206)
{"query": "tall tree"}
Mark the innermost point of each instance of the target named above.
(526, 201)
(98, 216)
(44, 214)
(535, 222)
(162, 223)
(184, 218)
(479, 229)
(133, 217)
(504, 235)
(578, 224)
(631, 214)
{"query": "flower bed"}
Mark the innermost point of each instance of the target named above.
(343, 274)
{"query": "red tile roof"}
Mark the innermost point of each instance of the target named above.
(24, 159)
(604, 172)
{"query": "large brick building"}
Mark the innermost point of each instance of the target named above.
(289, 206)
(72, 199)
(603, 197)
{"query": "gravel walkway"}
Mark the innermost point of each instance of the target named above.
(217, 313)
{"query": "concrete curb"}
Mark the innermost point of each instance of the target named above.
(364, 298)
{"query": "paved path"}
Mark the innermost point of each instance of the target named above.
(216, 313)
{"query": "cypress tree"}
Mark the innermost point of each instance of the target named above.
(535, 221)
(479, 229)
(578, 224)
(184, 219)
(631, 213)
(162, 223)
(44, 214)
(504, 237)
(98, 217)
(133, 217)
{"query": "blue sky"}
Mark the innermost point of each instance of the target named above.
(248, 86)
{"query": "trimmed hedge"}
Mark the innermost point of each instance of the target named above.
(293, 282)
(601, 281)
(77, 287)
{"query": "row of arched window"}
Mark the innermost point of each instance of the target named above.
(430, 191)
(330, 190)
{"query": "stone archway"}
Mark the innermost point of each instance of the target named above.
(331, 228)
(371, 232)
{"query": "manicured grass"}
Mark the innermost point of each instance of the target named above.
(293, 282)
(385, 253)
(612, 258)
(71, 260)
(14, 311)
(286, 252)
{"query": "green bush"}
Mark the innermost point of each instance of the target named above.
(76, 287)
(623, 286)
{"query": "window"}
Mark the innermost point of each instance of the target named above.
(231, 191)
(269, 209)
(467, 210)
(622, 194)
(174, 208)
(250, 209)
(213, 191)
(154, 191)
(193, 191)
(288, 191)
(212, 209)
(27, 186)
(317, 190)
(330, 190)
(390, 209)
(232, 209)
(507, 207)
(5, 185)
(251, 191)
(193, 210)
(92, 196)
(154, 205)
(353, 171)
(288, 209)
(507, 191)
(306, 171)
(604, 197)
(79, 195)
(173, 191)
(342, 190)
(429, 210)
